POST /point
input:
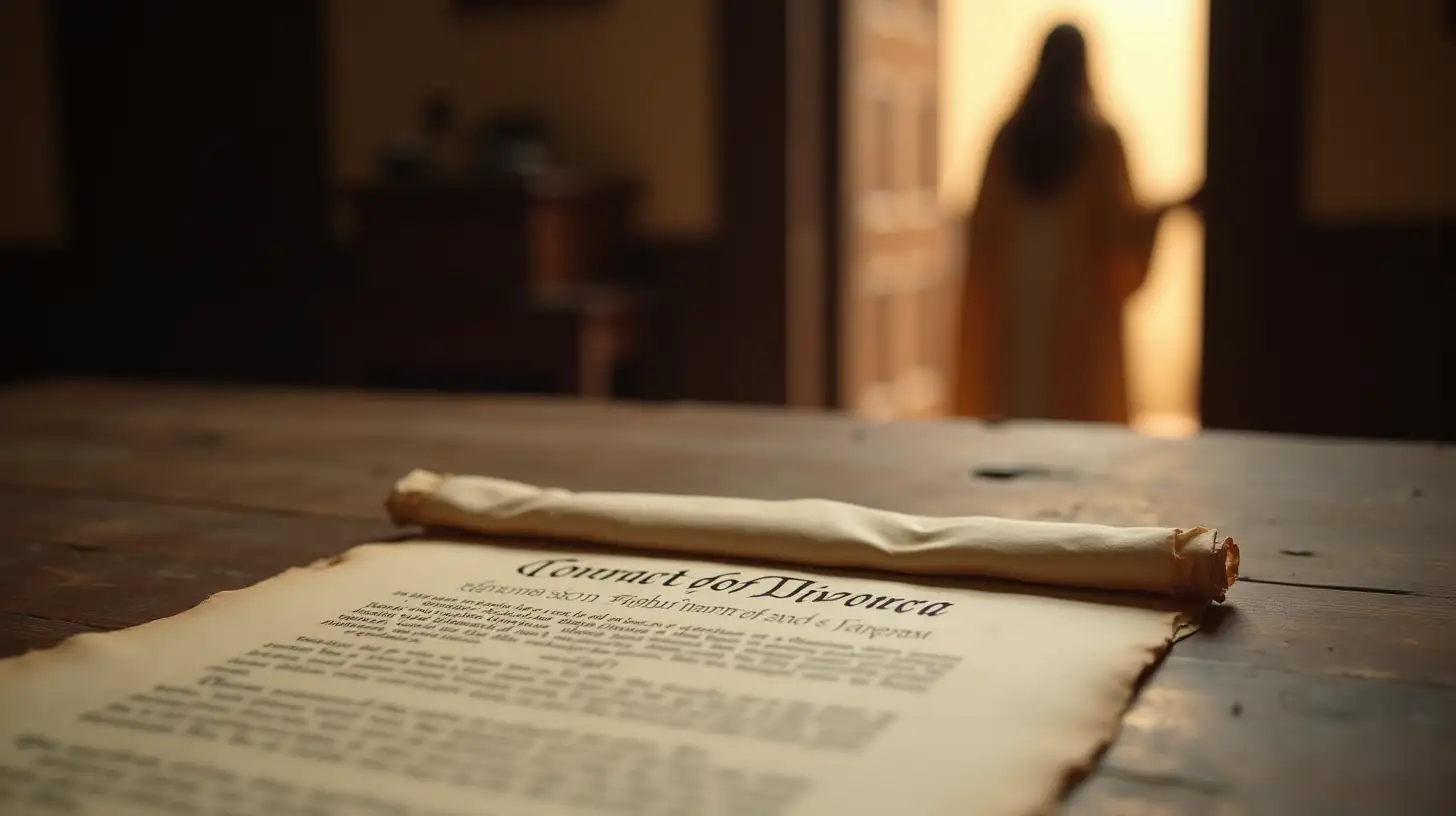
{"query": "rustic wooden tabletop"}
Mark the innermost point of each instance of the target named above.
(1326, 684)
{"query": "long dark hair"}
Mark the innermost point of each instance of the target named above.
(1048, 131)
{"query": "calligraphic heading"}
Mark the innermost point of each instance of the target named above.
(774, 587)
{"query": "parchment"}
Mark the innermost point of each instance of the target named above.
(495, 678)
(549, 670)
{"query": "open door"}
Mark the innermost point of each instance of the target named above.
(895, 290)
(833, 285)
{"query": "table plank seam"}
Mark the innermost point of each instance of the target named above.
(196, 504)
(53, 619)
(1393, 680)
(1203, 787)
(1340, 587)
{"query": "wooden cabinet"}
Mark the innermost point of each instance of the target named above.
(489, 283)
(500, 237)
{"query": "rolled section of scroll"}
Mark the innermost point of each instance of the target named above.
(1189, 563)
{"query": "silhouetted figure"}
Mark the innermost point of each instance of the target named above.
(1057, 243)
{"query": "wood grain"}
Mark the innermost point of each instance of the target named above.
(19, 633)
(1215, 738)
(127, 503)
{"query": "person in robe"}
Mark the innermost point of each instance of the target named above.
(1057, 243)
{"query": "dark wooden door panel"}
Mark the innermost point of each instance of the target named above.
(1322, 328)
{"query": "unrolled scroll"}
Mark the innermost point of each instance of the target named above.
(1190, 563)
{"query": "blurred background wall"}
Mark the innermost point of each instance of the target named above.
(1378, 123)
(627, 87)
(31, 202)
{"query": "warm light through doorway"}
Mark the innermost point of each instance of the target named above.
(1149, 69)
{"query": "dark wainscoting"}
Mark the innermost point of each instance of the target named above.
(1310, 327)
(683, 337)
(59, 318)
(35, 331)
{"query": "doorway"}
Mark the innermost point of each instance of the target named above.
(1148, 62)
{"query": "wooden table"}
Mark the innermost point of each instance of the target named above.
(1326, 684)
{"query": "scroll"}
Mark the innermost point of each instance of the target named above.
(545, 652)
(1194, 563)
